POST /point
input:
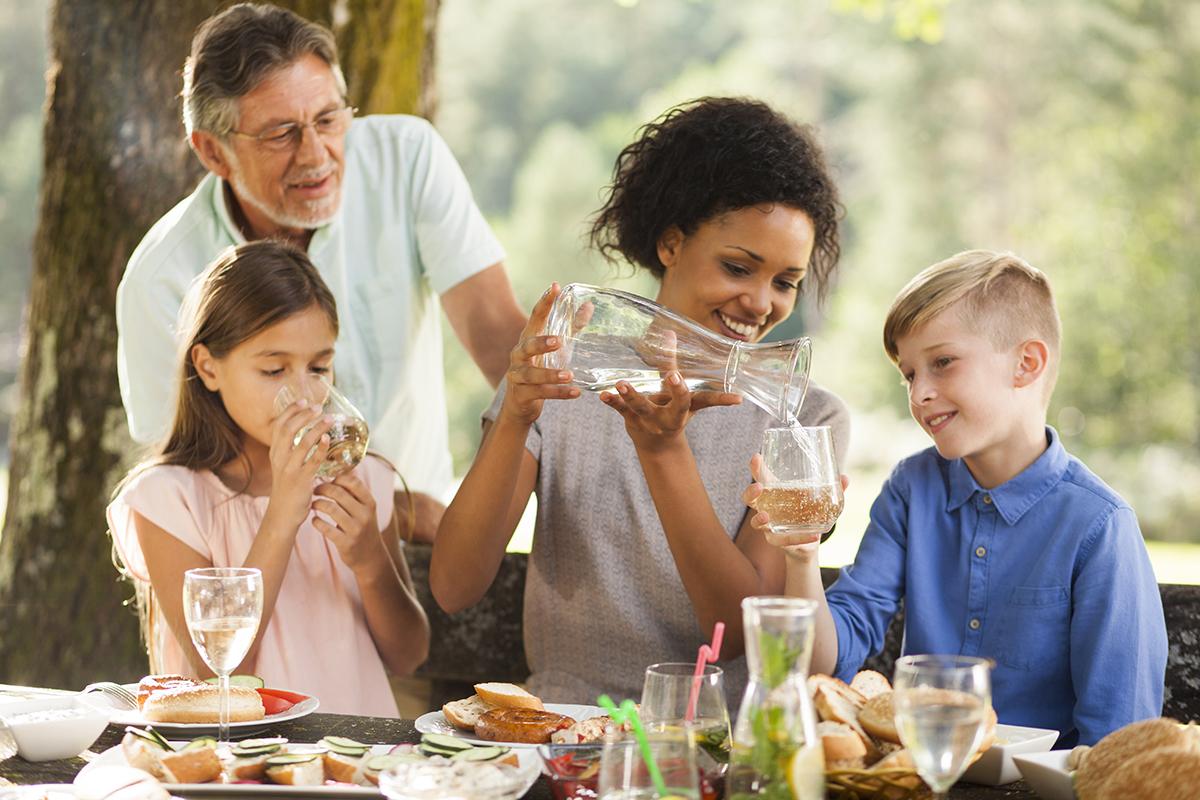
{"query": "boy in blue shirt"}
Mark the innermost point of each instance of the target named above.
(1000, 543)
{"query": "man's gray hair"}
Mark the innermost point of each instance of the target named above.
(234, 51)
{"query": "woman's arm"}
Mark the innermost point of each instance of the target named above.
(481, 519)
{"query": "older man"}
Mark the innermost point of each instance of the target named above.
(378, 202)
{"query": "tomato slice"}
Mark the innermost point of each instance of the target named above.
(276, 701)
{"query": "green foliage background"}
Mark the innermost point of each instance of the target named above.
(1065, 131)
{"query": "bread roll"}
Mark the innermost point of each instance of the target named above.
(156, 683)
(844, 749)
(1166, 773)
(201, 703)
(522, 725)
(507, 695)
(1122, 746)
(465, 713)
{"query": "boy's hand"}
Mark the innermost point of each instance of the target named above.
(354, 531)
(529, 385)
(800, 544)
(294, 464)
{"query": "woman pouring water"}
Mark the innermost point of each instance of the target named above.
(642, 542)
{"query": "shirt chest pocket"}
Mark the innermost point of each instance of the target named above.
(1035, 629)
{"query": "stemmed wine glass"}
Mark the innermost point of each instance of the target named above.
(348, 433)
(802, 491)
(942, 705)
(223, 607)
(666, 693)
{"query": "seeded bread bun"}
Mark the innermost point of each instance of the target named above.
(1168, 773)
(844, 749)
(200, 703)
(507, 695)
(1123, 746)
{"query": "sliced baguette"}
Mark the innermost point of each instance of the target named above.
(465, 713)
(832, 706)
(878, 717)
(507, 695)
(869, 683)
(836, 686)
(844, 749)
(142, 754)
(344, 769)
(306, 773)
(195, 765)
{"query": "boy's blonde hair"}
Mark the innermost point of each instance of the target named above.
(998, 294)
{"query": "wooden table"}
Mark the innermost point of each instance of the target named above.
(372, 730)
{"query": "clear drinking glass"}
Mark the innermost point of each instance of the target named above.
(802, 491)
(624, 776)
(348, 435)
(222, 607)
(666, 692)
(941, 705)
(608, 336)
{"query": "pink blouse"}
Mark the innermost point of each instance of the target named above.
(317, 641)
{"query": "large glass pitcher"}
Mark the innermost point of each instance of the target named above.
(609, 335)
(776, 751)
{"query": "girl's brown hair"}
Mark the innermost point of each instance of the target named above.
(248, 289)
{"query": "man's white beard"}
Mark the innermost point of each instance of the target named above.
(324, 210)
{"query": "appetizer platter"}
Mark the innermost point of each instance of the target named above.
(333, 766)
(502, 713)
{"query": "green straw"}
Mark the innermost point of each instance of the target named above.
(628, 713)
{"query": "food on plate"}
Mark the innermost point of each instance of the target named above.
(157, 683)
(1160, 754)
(195, 763)
(143, 748)
(465, 713)
(589, 730)
(524, 725)
(296, 769)
(248, 758)
(274, 701)
(200, 703)
(113, 782)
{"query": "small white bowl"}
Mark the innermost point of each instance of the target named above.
(995, 767)
(50, 728)
(1047, 774)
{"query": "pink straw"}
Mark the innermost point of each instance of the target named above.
(707, 655)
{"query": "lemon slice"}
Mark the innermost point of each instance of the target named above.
(806, 774)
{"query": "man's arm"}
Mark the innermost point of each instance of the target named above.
(147, 358)
(486, 318)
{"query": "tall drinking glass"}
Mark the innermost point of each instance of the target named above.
(942, 705)
(222, 607)
(348, 435)
(802, 491)
(624, 775)
(666, 693)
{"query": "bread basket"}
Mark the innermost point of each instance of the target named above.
(865, 784)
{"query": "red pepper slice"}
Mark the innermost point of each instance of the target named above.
(276, 701)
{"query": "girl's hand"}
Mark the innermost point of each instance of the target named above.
(528, 384)
(292, 468)
(354, 531)
(656, 421)
(801, 544)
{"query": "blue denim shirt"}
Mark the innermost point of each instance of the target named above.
(1046, 574)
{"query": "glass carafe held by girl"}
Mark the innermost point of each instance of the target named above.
(776, 751)
(608, 336)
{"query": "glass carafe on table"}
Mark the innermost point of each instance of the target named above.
(776, 750)
(348, 435)
(608, 336)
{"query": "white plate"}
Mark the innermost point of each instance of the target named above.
(114, 756)
(1046, 774)
(436, 722)
(237, 730)
(995, 767)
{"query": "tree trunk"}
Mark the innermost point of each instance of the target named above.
(115, 161)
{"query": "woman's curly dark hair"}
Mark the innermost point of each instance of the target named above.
(705, 158)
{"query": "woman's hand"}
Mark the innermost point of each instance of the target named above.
(800, 544)
(354, 530)
(656, 421)
(294, 466)
(528, 384)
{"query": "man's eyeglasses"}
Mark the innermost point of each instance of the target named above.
(287, 137)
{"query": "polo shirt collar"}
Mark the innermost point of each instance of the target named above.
(1016, 496)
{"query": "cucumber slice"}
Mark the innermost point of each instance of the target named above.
(443, 742)
(200, 741)
(430, 752)
(286, 759)
(249, 681)
(250, 744)
(480, 754)
(384, 762)
(342, 741)
(152, 736)
(254, 752)
(350, 752)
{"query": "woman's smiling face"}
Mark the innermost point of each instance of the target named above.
(737, 274)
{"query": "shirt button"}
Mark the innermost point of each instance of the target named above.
(981, 551)
(975, 623)
(987, 498)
